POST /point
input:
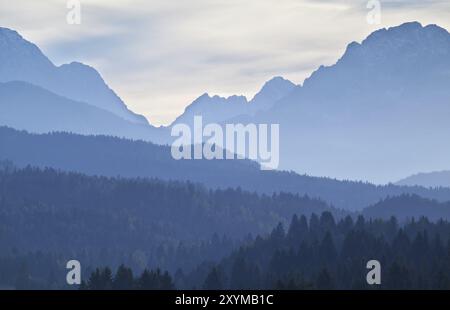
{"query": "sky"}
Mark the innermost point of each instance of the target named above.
(160, 55)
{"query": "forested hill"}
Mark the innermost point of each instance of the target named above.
(67, 212)
(407, 207)
(321, 252)
(108, 156)
(48, 217)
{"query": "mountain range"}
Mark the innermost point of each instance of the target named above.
(218, 109)
(124, 158)
(40, 97)
(27, 106)
(83, 177)
(378, 114)
(22, 60)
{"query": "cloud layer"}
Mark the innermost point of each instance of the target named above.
(159, 55)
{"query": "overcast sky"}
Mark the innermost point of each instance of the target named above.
(159, 55)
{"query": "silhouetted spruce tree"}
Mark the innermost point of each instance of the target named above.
(327, 223)
(298, 230)
(401, 244)
(100, 279)
(345, 225)
(420, 248)
(327, 251)
(123, 279)
(441, 281)
(213, 280)
(314, 226)
(239, 274)
(23, 281)
(398, 277)
(83, 286)
(147, 281)
(166, 282)
(155, 280)
(324, 281)
(278, 234)
(360, 223)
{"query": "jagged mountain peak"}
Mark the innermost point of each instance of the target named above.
(76, 65)
(388, 53)
(400, 38)
(219, 99)
(18, 51)
(277, 81)
(11, 35)
(272, 91)
(219, 109)
(22, 60)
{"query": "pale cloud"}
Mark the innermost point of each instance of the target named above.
(159, 55)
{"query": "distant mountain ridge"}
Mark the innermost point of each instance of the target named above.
(29, 107)
(385, 98)
(360, 119)
(430, 179)
(112, 157)
(213, 109)
(218, 109)
(21, 60)
(407, 207)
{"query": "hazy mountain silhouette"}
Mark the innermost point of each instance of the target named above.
(218, 109)
(21, 60)
(272, 91)
(29, 107)
(108, 156)
(406, 207)
(379, 113)
(108, 205)
(430, 179)
(214, 109)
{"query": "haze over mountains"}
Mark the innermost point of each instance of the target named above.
(21, 60)
(113, 157)
(379, 114)
(40, 97)
(218, 109)
(74, 97)
(430, 179)
(26, 106)
(83, 177)
(407, 207)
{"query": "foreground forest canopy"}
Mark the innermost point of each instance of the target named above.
(207, 238)
(99, 220)
(318, 253)
(326, 254)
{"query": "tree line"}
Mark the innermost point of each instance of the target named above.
(124, 279)
(321, 253)
(326, 254)
(227, 236)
